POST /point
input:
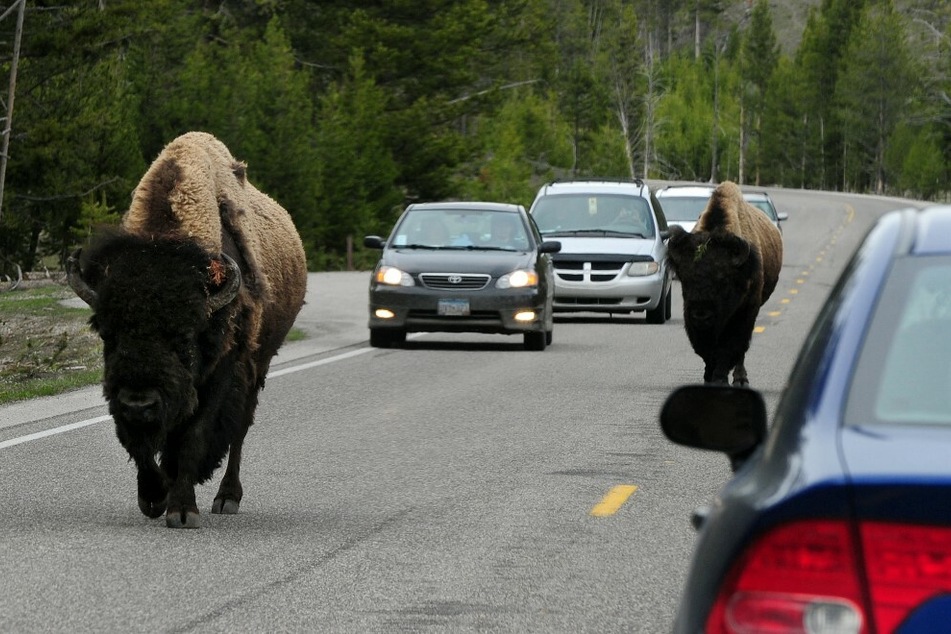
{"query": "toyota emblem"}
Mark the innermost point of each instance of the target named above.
(455, 279)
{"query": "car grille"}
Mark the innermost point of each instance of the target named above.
(454, 281)
(599, 271)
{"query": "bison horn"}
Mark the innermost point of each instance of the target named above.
(74, 275)
(230, 288)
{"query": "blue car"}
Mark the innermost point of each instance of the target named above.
(838, 518)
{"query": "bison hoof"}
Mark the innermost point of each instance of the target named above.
(151, 509)
(182, 519)
(225, 506)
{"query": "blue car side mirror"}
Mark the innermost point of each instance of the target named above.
(715, 417)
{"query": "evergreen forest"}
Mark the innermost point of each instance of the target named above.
(347, 110)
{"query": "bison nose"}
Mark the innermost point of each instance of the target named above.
(140, 402)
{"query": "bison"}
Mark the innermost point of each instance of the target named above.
(192, 296)
(728, 267)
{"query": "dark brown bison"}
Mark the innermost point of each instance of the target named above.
(728, 267)
(192, 296)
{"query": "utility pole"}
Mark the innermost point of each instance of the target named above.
(8, 120)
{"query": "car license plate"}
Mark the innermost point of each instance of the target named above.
(453, 308)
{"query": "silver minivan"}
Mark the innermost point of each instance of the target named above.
(613, 256)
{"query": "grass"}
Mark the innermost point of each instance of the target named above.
(46, 347)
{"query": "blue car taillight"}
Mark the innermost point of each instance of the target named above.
(798, 578)
(811, 577)
(909, 575)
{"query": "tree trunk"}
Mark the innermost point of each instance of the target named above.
(742, 166)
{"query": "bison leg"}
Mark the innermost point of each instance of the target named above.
(178, 460)
(182, 509)
(739, 374)
(152, 487)
(230, 492)
(716, 372)
(152, 495)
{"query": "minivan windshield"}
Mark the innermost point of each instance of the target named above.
(593, 214)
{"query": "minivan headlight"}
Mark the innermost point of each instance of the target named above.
(639, 269)
(392, 276)
(521, 278)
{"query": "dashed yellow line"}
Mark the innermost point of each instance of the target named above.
(614, 499)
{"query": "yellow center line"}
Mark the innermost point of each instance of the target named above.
(613, 500)
(759, 329)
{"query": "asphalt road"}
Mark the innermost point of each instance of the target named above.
(461, 484)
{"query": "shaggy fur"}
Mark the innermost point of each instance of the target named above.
(728, 267)
(182, 377)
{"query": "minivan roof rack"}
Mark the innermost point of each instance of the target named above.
(636, 181)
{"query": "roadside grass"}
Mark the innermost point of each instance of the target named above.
(46, 347)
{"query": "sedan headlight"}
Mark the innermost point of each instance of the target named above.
(521, 278)
(392, 276)
(640, 269)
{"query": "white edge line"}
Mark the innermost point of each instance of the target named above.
(92, 421)
(51, 432)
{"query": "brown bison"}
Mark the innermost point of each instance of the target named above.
(192, 296)
(728, 267)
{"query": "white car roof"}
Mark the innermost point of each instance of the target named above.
(685, 191)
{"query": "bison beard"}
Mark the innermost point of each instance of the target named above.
(728, 267)
(188, 331)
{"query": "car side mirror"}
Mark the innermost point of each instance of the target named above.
(373, 242)
(715, 417)
(664, 234)
(549, 246)
(782, 215)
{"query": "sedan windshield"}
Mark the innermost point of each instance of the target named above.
(461, 229)
(904, 370)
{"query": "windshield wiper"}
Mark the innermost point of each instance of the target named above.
(476, 247)
(596, 232)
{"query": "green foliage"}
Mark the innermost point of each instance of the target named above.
(873, 93)
(522, 144)
(344, 111)
(915, 157)
(358, 175)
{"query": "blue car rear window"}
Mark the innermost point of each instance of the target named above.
(903, 374)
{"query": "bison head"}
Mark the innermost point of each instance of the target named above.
(157, 305)
(717, 272)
